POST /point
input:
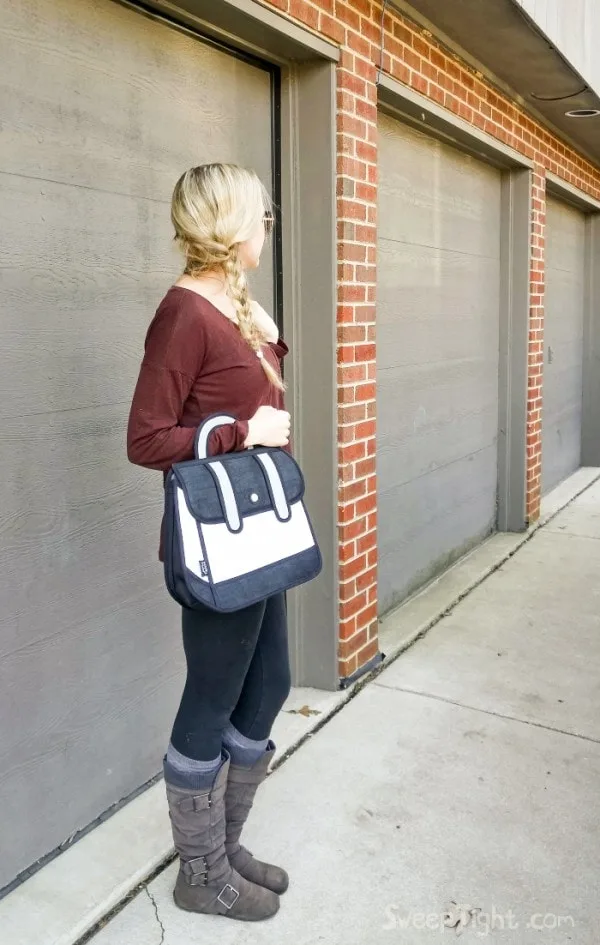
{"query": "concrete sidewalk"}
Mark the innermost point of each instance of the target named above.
(468, 770)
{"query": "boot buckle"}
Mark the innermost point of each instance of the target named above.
(196, 871)
(196, 803)
(232, 896)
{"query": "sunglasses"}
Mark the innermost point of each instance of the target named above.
(269, 222)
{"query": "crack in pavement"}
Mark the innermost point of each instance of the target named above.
(557, 530)
(494, 713)
(162, 928)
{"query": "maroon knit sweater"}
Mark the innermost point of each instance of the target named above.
(195, 364)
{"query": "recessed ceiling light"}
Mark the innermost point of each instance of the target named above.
(583, 113)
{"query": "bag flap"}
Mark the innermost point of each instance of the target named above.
(248, 480)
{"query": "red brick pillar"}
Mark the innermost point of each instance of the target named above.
(536, 345)
(357, 255)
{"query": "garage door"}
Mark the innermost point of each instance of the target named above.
(102, 109)
(563, 343)
(437, 350)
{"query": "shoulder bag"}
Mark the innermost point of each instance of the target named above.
(236, 528)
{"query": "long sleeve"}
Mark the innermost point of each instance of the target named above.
(173, 358)
(154, 437)
(228, 439)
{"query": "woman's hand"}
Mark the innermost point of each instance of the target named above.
(264, 323)
(269, 427)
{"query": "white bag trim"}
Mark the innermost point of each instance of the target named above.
(276, 487)
(230, 509)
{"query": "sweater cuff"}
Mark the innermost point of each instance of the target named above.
(279, 347)
(230, 438)
(242, 429)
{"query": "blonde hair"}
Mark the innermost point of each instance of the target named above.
(215, 207)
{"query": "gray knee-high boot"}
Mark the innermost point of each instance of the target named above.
(242, 784)
(207, 882)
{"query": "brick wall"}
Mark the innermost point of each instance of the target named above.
(412, 56)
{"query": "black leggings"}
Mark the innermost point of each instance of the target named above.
(237, 670)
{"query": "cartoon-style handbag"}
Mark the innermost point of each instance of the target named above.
(236, 527)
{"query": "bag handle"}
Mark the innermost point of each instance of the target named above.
(270, 471)
(205, 430)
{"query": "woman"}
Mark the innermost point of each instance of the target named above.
(210, 349)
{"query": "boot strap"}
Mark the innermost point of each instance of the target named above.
(196, 871)
(197, 803)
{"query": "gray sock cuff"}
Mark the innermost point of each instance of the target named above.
(184, 772)
(243, 750)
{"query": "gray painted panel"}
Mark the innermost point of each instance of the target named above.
(102, 110)
(437, 337)
(90, 665)
(95, 95)
(443, 514)
(310, 272)
(563, 343)
(515, 267)
(590, 427)
(434, 195)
